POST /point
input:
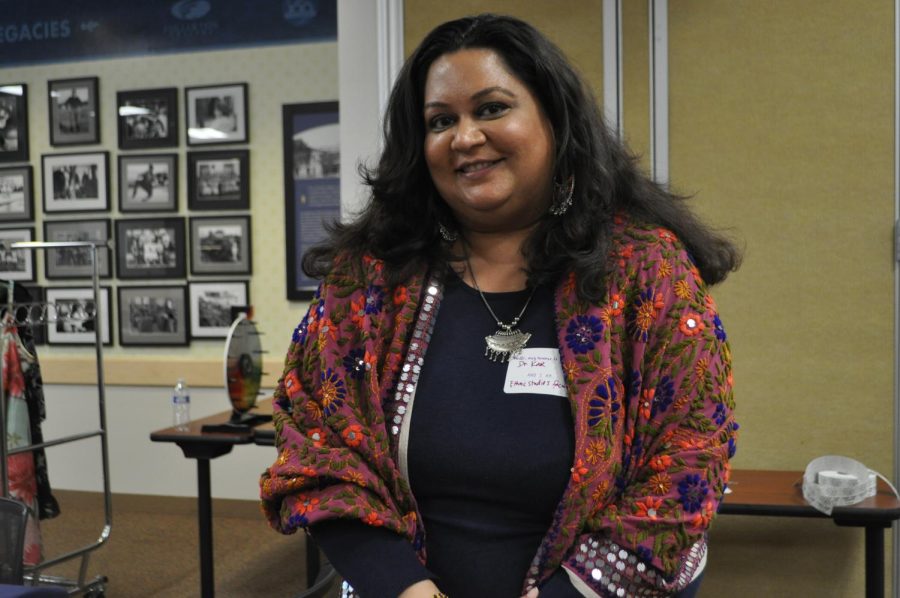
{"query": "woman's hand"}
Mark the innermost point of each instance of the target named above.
(532, 593)
(422, 589)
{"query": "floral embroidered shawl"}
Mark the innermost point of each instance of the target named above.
(650, 387)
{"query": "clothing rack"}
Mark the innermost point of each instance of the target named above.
(40, 313)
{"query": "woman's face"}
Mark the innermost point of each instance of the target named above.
(488, 145)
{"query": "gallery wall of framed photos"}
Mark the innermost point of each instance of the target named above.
(176, 160)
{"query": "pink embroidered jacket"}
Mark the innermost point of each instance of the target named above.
(649, 382)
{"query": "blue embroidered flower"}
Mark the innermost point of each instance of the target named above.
(732, 447)
(583, 332)
(646, 310)
(692, 490)
(720, 331)
(720, 414)
(320, 308)
(299, 336)
(664, 396)
(374, 299)
(297, 520)
(606, 406)
(284, 403)
(644, 554)
(634, 384)
(355, 364)
(331, 392)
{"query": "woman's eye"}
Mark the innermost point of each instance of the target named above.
(493, 109)
(439, 123)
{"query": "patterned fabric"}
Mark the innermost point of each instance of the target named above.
(649, 381)
(20, 467)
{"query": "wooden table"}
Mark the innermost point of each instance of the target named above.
(771, 493)
(202, 445)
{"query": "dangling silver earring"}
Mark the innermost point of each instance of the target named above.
(447, 234)
(562, 195)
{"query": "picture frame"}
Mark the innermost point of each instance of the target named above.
(74, 109)
(147, 118)
(219, 180)
(148, 183)
(211, 304)
(153, 316)
(221, 245)
(16, 194)
(150, 248)
(16, 264)
(70, 320)
(77, 182)
(13, 122)
(75, 262)
(216, 114)
(311, 150)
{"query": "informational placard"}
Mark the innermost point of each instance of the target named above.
(312, 187)
(62, 30)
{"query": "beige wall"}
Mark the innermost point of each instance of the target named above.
(782, 130)
(275, 75)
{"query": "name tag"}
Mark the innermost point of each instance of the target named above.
(536, 371)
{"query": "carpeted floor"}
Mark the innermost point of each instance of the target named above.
(152, 550)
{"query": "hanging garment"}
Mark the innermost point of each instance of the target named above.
(20, 467)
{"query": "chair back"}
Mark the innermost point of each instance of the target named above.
(13, 516)
(327, 584)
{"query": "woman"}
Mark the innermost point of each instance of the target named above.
(541, 304)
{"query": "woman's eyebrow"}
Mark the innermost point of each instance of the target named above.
(475, 96)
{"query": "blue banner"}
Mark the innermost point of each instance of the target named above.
(35, 31)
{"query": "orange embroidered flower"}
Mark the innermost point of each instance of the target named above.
(358, 312)
(691, 324)
(730, 379)
(595, 452)
(401, 295)
(660, 462)
(646, 402)
(352, 435)
(628, 438)
(578, 471)
(683, 289)
(373, 519)
(665, 269)
(704, 516)
(306, 504)
(313, 409)
(569, 286)
(327, 330)
(710, 304)
(308, 472)
(354, 477)
(317, 436)
(625, 253)
(701, 367)
(648, 507)
(571, 371)
(616, 304)
(660, 483)
(665, 235)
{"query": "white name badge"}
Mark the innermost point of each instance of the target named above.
(535, 371)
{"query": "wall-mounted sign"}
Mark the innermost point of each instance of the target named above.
(62, 30)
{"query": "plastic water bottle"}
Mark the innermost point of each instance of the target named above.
(181, 405)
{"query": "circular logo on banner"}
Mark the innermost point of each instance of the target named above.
(300, 12)
(189, 10)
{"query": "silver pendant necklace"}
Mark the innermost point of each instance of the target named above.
(508, 341)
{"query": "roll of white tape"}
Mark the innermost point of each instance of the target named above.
(835, 481)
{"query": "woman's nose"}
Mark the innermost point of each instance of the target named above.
(468, 134)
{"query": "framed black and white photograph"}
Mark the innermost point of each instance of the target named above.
(76, 262)
(148, 118)
(150, 248)
(219, 180)
(16, 264)
(14, 122)
(153, 316)
(148, 183)
(74, 108)
(16, 194)
(220, 245)
(72, 316)
(30, 310)
(217, 114)
(211, 304)
(75, 182)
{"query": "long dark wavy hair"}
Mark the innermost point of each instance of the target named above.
(400, 223)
